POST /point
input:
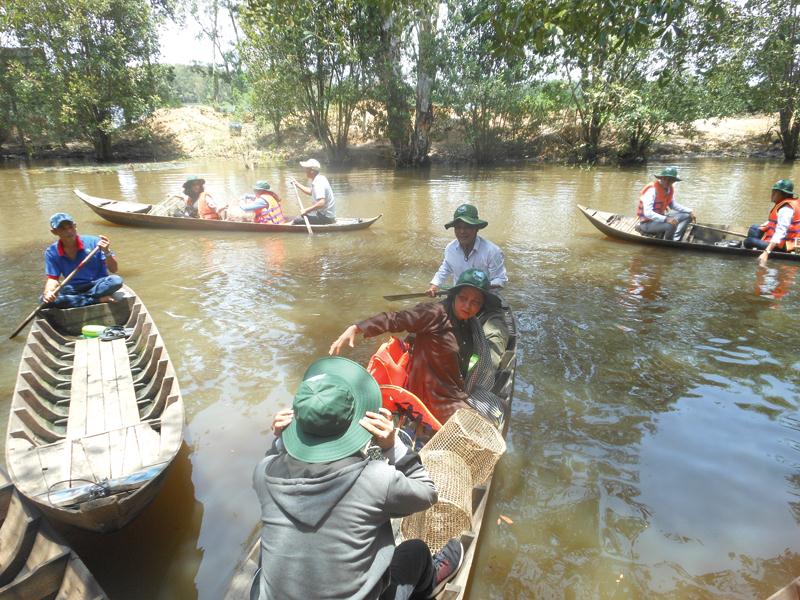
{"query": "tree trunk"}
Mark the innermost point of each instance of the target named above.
(789, 131)
(102, 145)
(426, 78)
(398, 112)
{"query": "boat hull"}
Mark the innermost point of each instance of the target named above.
(135, 214)
(703, 238)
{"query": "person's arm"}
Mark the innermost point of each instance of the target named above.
(312, 207)
(306, 190)
(648, 201)
(255, 205)
(109, 256)
(785, 215)
(53, 274)
(681, 208)
(414, 320)
(497, 268)
(50, 285)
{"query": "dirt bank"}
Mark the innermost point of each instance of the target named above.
(202, 132)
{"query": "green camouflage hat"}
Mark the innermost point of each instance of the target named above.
(479, 280)
(671, 172)
(261, 185)
(469, 215)
(330, 402)
(786, 186)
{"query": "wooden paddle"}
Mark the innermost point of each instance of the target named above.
(717, 229)
(64, 282)
(414, 295)
(305, 218)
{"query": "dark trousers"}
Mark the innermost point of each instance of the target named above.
(313, 220)
(411, 573)
(82, 294)
(754, 235)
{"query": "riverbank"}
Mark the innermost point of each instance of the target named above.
(202, 132)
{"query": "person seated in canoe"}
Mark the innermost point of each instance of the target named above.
(326, 504)
(451, 365)
(322, 210)
(658, 211)
(265, 204)
(781, 231)
(199, 203)
(471, 251)
(92, 284)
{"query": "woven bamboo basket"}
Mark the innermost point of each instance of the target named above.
(452, 514)
(474, 439)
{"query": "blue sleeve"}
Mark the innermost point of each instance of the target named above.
(259, 203)
(51, 268)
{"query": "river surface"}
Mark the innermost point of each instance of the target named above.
(653, 448)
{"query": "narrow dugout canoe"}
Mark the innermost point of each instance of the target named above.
(244, 577)
(34, 560)
(703, 237)
(136, 214)
(94, 424)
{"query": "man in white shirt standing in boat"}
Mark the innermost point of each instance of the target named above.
(658, 212)
(471, 251)
(322, 211)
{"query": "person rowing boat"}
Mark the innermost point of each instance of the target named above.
(781, 231)
(322, 211)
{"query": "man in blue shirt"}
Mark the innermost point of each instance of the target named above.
(90, 285)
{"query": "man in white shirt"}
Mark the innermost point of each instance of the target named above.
(322, 210)
(781, 231)
(471, 251)
(658, 211)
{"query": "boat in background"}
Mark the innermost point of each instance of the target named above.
(137, 214)
(698, 236)
(34, 560)
(94, 423)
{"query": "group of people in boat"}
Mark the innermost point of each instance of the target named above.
(325, 504)
(660, 214)
(265, 205)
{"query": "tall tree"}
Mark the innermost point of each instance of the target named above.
(322, 51)
(98, 60)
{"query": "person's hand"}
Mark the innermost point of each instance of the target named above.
(381, 426)
(672, 220)
(292, 181)
(348, 337)
(281, 421)
(693, 217)
(49, 297)
(763, 258)
(433, 290)
(104, 243)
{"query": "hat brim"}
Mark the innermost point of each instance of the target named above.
(791, 194)
(491, 302)
(367, 397)
(479, 223)
(191, 181)
(674, 178)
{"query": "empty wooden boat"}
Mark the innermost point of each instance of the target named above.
(34, 560)
(703, 237)
(244, 578)
(94, 423)
(138, 214)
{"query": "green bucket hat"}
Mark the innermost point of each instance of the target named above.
(330, 402)
(479, 280)
(191, 179)
(261, 185)
(469, 215)
(786, 186)
(671, 172)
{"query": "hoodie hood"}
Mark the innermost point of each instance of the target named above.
(309, 500)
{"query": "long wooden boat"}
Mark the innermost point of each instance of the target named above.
(702, 237)
(34, 560)
(790, 592)
(138, 214)
(94, 424)
(244, 578)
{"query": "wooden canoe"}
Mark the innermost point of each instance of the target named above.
(138, 214)
(701, 237)
(245, 576)
(34, 560)
(790, 592)
(94, 424)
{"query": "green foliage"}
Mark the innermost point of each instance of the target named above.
(96, 68)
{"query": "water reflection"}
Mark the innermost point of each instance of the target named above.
(775, 282)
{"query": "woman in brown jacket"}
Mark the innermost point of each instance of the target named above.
(451, 364)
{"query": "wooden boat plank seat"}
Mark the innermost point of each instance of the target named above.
(17, 535)
(44, 576)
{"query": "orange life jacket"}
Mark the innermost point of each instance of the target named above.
(204, 210)
(662, 202)
(792, 239)
(272, 212)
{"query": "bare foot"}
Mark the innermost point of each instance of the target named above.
(106, 299)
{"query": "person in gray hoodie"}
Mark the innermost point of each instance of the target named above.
(326, 504)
